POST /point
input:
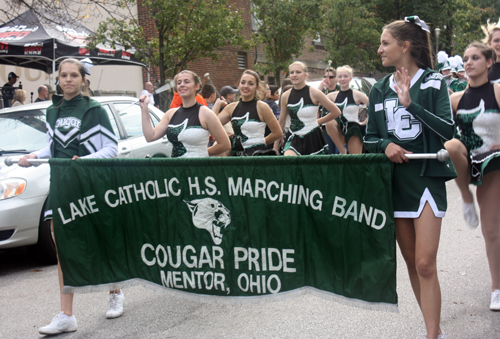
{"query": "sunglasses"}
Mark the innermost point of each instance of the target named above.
(331, 76)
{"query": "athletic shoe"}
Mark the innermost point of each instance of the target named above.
(60, 324)
(115, 306)
(441, 336)
(495, 300)
(470, 214)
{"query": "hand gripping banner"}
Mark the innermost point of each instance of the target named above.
(229, 227)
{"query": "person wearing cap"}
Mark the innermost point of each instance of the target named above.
(8, 89)
(457, 84)
(228, 93)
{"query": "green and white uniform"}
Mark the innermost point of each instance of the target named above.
(457, 85)
(307, 137)
(494, 73)
(189, 139)
(79, 126)
(421, 128)
(478, 120)
(348, 121)
(248, 129)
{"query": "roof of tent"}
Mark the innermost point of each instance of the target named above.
(34, 42)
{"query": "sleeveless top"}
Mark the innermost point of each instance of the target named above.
(347, 105)
(302, 110)
(247, 124)
(478, 119)
(189, 139)
(494, 73)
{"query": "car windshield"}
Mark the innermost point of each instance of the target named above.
(23, 130)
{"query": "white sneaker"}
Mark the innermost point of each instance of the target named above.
(470, 215)
(61, 323)
(495, 300)
(115, 306)
(440, 336)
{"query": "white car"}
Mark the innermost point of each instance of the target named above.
(23, 191)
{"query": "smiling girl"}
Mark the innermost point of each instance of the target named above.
(476, 154)
(348, 101)
(409, 111)
(249, 118)
(301, 103)
(187, 127)
(492, 31)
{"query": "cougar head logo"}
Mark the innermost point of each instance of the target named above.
(209, 214)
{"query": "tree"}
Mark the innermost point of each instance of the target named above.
(459, 20)
(351, 34)
(282, 28)
(58, 11)
(186, 31)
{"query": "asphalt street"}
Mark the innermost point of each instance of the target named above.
(29, 299)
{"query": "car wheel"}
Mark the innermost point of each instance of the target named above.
(45, 250)
(159, 155)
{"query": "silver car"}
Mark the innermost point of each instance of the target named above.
(23, 191)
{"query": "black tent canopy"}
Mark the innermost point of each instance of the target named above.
(34, 42)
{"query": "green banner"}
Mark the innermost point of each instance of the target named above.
(229, 227)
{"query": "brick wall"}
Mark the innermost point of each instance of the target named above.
(226, 71)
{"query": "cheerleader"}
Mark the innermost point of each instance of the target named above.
(188, 127)
(91, 136)
(301, 104)
(476, 154)
(492, 31)
(409, 111)
(249, 118)
(348, 101)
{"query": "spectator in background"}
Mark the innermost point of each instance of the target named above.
(8, 89)
(177, 100)
(19, 98)
(272, 95)
(43, 93)
(208, 93)
(228, 93)
(148, 90)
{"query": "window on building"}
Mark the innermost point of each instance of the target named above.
(242, 60)
(318, 40)
(256, 23)
(271, 80)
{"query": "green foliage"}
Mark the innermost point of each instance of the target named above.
(186, 31)
(492, 7)
(282, 30)
(351, 34)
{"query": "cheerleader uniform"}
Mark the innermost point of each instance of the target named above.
(79, 126)
(494, 73)
(478, 121)
(248, 129)
(421, 128)
(349, 119)
(307, 137)
(189, 139)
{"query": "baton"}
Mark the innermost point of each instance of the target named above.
(441, 155)
(11, 160)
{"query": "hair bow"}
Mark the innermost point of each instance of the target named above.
(417, 21)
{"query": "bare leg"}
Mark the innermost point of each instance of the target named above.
(489, 205)
(333, 130)
(66, 298)
(355, 145)
(460, 158)
(420, 256)
(290, 153)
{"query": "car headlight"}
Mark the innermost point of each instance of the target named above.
(11, 187)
